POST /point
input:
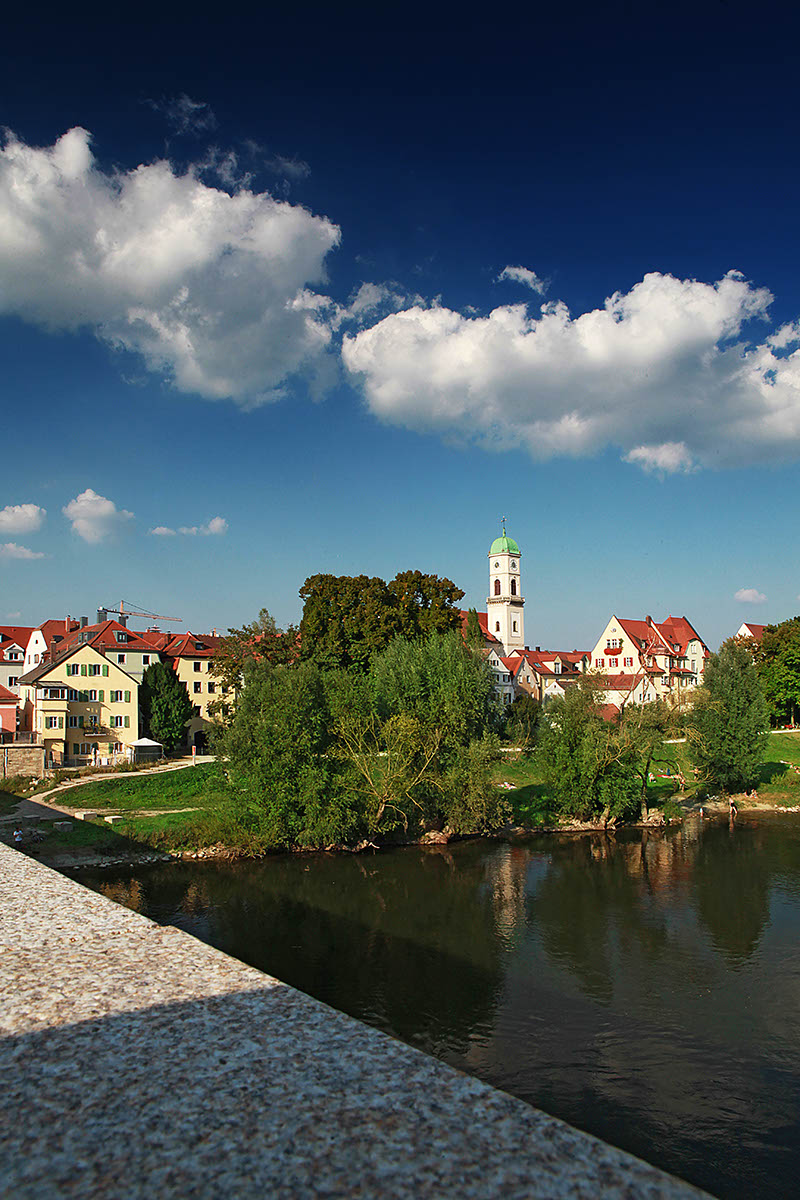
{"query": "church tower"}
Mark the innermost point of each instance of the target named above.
(504, 604)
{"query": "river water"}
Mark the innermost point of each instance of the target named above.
(643, 987)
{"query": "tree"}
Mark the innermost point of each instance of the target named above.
(777, 660)
(260, 641)
(473, 634)
(589, 766)
(424, 604)
(347, 619)
(522, 720)
(278, 747)
(644, 727)
(165, 704)
(728, 723)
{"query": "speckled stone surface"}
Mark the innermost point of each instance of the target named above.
(136, 1062)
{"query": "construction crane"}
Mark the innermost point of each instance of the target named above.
(122, 611)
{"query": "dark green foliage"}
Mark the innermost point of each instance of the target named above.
(522, 720)
(644, 727)
(165, 704)
(588, 763)
(328, 756)
(728, 723)
(347, 619)
(777, 661)
(277, 747)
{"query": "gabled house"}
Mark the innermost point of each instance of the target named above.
(669, 656)
(12, 664)
(84, 708)
(750, 630)
(131, 650)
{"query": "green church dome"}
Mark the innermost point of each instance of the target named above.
(504, 545)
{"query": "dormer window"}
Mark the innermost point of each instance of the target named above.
(121, 635)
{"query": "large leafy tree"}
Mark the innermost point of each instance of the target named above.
(347, 619)
(644, 727)
(729, 720)
(165, 704)
(777, 661)
(424, 604)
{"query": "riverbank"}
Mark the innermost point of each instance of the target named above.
(170, 813)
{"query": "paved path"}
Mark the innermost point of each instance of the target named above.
(41, 806)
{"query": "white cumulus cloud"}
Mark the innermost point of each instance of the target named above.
(664, 372)
(94, 517)
(198, 281)
(12, 550)
(216, 527)
(21, 518)
(525, 276)
(750, 596)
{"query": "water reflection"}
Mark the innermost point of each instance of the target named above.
(641, 986)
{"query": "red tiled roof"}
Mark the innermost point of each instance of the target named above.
(104, 637)
(619, 683)
(678, 629)
(182, 645)
(7, 697)
(756, 631)
(648, 637)
(608, 712)
(57, 628)
(16, 633)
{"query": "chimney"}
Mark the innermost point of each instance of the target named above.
(538, 649)
(123, 620)
(67, 623)
(84, 622)
(102, 615)
(649, 621)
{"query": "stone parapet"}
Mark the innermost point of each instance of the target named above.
(21, 758)
(139, 1062)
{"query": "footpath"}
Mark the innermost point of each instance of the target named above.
(42, 806)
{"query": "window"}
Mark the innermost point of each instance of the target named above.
(196, 710)
(513, 565)
(211, 688)
(196, 666)
(497, 626)
(497, 587)
(51, 722)
(121, 635)
(514, 626)
(116, 722)
(613, 662)
(513, 587)
(496, 565)
(599, 662)
(93, 669)
(13, 680)
(198, 687)
(117, 747)
(121, 658)
(694, 667)
(627, 662)
(145, 660)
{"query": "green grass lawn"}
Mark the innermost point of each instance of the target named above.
(779, 783)
(203, 786)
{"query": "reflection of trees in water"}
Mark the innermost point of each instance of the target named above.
(600, 899)
(732, 888)
(405, 939)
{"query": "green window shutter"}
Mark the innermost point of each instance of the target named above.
(127, 722)
(80, 721)
(83, 669)
(60, 722)
(127, 697)
(101, 695)
(105, 669)
(76, 748)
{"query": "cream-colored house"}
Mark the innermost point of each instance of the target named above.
(657, 659)
(83, 707)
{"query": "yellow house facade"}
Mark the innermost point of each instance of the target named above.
(84, 707)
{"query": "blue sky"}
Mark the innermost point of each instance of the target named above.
(335, 292)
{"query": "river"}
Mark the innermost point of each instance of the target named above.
(643, 987)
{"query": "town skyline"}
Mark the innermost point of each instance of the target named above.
(340, 313)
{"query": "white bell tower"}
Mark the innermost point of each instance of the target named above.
(505, 604)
